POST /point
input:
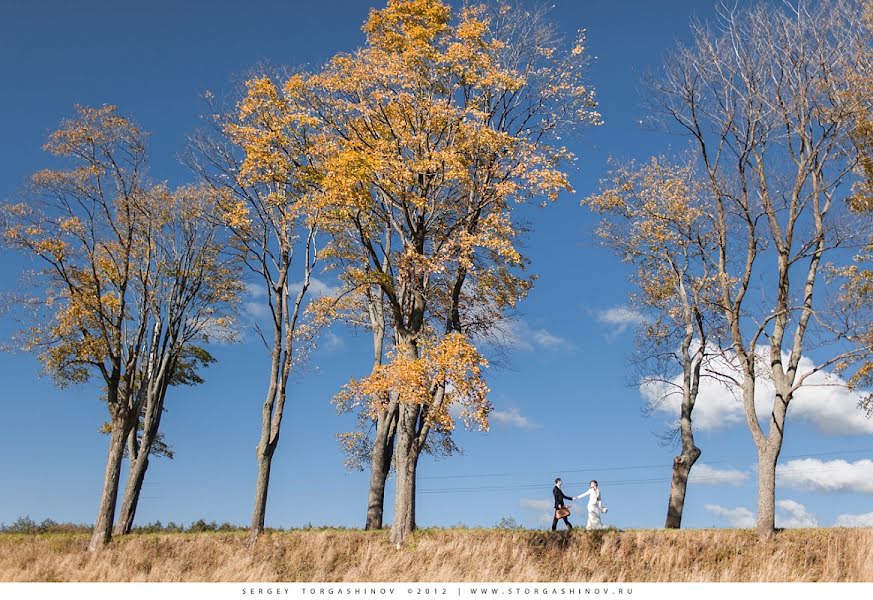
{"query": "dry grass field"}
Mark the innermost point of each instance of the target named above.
(446, 555)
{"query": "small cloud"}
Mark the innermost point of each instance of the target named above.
(537, 504)
(862, 520)
(812, 474)
(704, 474)
(317, 288)
(794, 514)
(255, 303)
(740, 516)
(256, 310)
(512, 418)
(518, 334)
(253, 290)
(332, 342)
(620, 319)
(545, 509)
(543, 338)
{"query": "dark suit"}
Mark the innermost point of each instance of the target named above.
(559, 502)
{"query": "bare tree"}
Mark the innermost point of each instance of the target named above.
(760, 94)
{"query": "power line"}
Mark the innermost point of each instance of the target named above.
(640, 481)
(627, 468)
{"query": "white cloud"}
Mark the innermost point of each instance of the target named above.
(794, 514)
(317, 288)
(823, 401)
(537, 504)
(332, 341)
(512, 418)
(740, 516)
(816, 475)
(620, 319)
(863, 520)
(518, 334)
(256, 310)
(545, 509)
(706, 475)
(254, 290)
(255, 303)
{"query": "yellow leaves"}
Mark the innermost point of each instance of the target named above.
(72, 225)
(448, 372)
(92, 127)
(408, 27)
(51, 247)
(237, 215)
(269, 128)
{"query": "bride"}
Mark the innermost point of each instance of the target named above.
(595, 507)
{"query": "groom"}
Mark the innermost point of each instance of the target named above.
(559, 503)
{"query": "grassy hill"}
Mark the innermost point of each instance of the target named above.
(446, 555)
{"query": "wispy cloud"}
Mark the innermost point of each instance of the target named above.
(331, 342)
(255, 297)
(620, 319)
(740, 516)
(520, 335)
(317, 288)
(794, 514)
(862, 520)
(544, 508)
(512, 418)
(812, 474)
(537, 504)
(703, 474)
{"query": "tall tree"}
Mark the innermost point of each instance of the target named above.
(656, 220)
(431, 134)
(99, 227)
(762, 98)
(258, 159)
(194, 284)
(856, 299)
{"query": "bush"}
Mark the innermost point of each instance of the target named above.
(28, 525)
(509, 523)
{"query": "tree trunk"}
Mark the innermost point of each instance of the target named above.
(767, 492)
(270, 421)
(681, 468)
(106, 512)
(132, 492)
(405, 463)
(265, 462)
(139, 460)
(380, 465)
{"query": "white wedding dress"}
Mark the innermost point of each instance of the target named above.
(594, 509)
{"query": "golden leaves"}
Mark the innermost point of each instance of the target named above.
(120, 254)
(451, 371)
(91, 128)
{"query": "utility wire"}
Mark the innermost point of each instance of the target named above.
(627, 468)
(624, 482)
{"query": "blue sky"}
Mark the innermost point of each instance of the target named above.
(564, 405)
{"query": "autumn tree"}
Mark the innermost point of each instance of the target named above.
(102, 232)
(193, 286)
(761, 96)
(371, 444)
(856, 298)
(429, 135)
(257, 157)
(655, 219)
